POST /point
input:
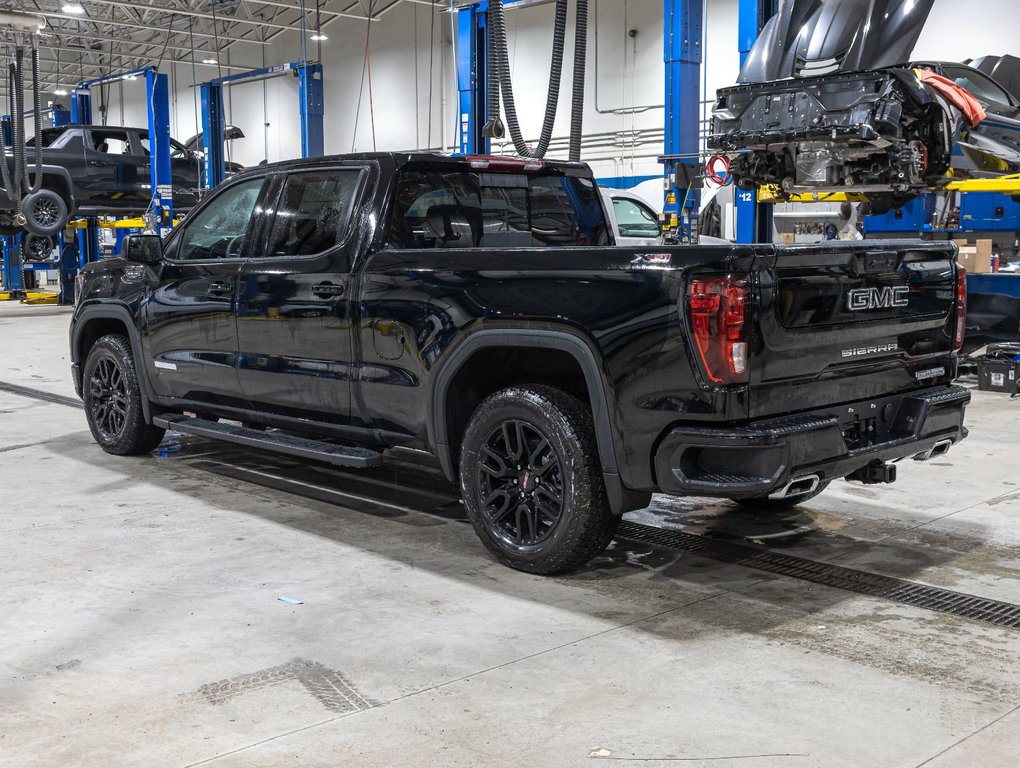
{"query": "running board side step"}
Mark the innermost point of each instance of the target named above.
(338, 455)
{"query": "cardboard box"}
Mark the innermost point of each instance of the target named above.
(788, 238)
(998, 375)
(976, 257)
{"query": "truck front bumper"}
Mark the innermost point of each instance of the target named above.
(763, 457)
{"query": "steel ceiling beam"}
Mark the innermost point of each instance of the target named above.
(310, 9)
(196, 14)
(120, 41)
(149, 27)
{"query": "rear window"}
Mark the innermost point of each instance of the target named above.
(442, 209)
(313, 212)
(47, 136)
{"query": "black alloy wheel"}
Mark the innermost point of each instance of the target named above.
(45, 212)
(521, 483)
(531, 480)
(36, 248)
(108, 399)
(113, 399)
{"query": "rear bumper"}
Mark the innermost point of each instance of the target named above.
(762, 457)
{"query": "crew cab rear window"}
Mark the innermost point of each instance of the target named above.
(449, 209)
(46, 137)
(313, 212)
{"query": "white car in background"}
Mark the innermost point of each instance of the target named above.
(635, 222)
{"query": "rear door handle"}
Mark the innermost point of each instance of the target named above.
(327, 290)
(219, 289)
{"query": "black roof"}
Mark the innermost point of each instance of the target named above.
(400, 159)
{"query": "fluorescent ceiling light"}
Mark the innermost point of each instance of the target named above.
(59, 92)
(73, 8)
(319, 36)
(209, 61)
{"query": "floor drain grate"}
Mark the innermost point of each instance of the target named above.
(38, 394)
(871, 584)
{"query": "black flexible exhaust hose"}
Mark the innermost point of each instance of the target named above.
(494, 128)
(36, 116)
(497, 24)
(18, 127)
(5, 170)
(580, 63)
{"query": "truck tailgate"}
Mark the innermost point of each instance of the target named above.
(843, 322)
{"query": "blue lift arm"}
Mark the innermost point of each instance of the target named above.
(310, 108)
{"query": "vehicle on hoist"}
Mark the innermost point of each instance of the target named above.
(99, 170)
(826, 103)
(478, 308)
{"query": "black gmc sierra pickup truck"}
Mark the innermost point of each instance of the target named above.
(477, 308)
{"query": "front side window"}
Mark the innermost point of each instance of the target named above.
(218, 229)
(634, 219)
(313, 212)
(437, 209)
(177, 151)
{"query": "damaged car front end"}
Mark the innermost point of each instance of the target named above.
(859, 132)
(826, 103)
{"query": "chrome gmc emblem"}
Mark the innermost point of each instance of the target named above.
(860, 299)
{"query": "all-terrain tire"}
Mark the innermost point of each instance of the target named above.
(113, 399)
(554, 435)
(765, 504)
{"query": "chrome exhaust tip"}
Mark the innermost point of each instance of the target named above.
(797, 487)
(941, 448)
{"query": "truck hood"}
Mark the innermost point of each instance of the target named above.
(821, 37)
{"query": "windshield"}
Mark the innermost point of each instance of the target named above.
(982, 86)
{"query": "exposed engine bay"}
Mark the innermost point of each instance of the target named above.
(868, 132)
(827, 104)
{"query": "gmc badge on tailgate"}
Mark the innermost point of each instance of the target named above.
(860, 299)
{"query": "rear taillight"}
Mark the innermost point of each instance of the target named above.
(961, 308)
(718, 308)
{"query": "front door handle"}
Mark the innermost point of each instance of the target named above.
(98, 163)
(327, 290)
(219, 289)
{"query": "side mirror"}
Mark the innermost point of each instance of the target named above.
(146, 249)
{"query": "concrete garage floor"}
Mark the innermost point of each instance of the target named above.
(141, 624)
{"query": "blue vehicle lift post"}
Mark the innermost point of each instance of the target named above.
(472, 78)
(472, 24)
(754, 220)
(682, 36)
(310, 108)
(157, 97)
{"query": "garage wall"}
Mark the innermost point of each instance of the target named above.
(958, 31)
(623, 119)
(405, 44)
